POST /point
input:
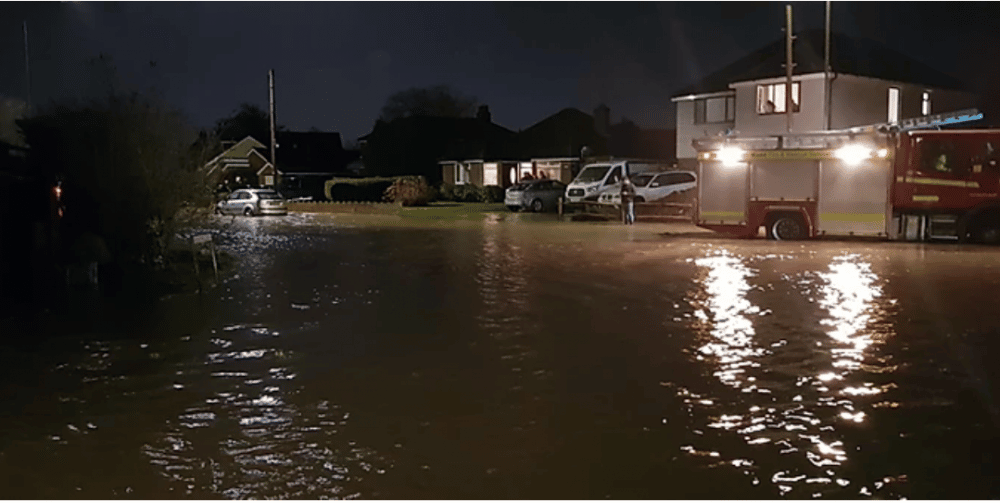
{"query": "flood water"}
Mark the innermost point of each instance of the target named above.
(506, 359)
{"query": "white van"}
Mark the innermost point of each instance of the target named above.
(596, 178)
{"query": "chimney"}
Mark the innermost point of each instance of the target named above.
(484, 114)
(602, 120)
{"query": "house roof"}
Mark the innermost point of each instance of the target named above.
(560, 135)
(310, 152)
(240, 150)
(861, 57)
(479, 139)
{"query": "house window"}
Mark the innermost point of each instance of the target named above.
(925, 105)
(490, 174)
(771, 98)
(715, 110)
(462, 173)
(893, 104)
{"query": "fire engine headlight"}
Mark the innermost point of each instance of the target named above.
(852, 155)
(730, 156)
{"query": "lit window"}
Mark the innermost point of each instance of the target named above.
(894, 104)
(771, 98)
(925, 106)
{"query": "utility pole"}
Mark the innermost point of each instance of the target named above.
(270, 79)
(827, 85)
(788, 66)
(27, 68)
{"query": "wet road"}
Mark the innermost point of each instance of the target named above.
(506, 359)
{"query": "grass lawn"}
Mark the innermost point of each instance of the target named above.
(437, 210)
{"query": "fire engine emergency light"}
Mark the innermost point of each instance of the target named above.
(730, 156)
(852, 155)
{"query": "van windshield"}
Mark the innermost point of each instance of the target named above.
(593, 174)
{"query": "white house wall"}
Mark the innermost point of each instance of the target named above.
(865, 100)
(808, 118)
(687, 131)
(856, 101)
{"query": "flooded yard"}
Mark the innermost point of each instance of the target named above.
(513, 356)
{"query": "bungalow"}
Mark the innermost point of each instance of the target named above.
(241, 165)
(868, 83)
(556, 147)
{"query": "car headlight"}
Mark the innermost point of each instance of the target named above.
(591, 189)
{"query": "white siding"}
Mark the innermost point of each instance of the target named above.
(687, 130)
(860, 101)
(808, 118)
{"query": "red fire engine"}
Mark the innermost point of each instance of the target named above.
(896, 181)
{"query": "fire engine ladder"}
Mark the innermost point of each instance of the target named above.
(835, 138)
(924, 122)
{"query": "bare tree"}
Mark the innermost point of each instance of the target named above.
(438, 101)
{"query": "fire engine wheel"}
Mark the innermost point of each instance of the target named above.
(987, 231)
(787, 228)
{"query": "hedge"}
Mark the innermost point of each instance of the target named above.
(357, 189)
(470, 193)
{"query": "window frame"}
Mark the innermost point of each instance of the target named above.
(728, 107)
(892, 112)
(771, 88)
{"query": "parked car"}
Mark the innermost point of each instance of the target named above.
(651, 187)
(596, 178)
(252, 202)
(538, 195)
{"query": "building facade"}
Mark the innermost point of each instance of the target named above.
(867, 84)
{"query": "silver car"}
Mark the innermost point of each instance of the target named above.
(252, 202)
(538, 195)
(650, 187)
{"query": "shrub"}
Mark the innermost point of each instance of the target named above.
(468, 194)
(357, 189)
(492, 194)
(410, 191)
(446, 192)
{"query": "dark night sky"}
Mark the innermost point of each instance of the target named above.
(337, 62)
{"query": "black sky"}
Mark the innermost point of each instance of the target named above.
(336, 62)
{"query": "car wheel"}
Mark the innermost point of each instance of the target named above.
(218, 211)
(787, 228)
(640, 199)
(513, 208)
(248, 211)
(537, 206)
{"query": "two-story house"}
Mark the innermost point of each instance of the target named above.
(867, 83)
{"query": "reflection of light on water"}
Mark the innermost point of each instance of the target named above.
(732, 331)
(798, 426)
(266, 445)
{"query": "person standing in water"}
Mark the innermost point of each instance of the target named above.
(628, 201)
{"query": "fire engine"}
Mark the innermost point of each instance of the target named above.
(900, 181)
